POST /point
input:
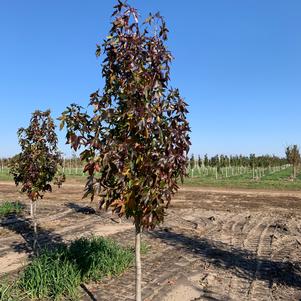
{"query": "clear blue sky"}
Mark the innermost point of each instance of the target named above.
(237, 63)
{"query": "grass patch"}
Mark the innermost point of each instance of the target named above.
(9, 291)
(8, 208)
(99, 257)
(5, 291)
(51, 275)
(275, 181)
(144, 248)
(279, 180)
(5, 175)
(57, 274)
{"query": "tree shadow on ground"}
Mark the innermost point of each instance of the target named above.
(242, 263)
(81, 209)
(87, 210)
(46, 239)
(23, 227)
(88, 292)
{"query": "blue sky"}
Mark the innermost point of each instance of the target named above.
(237, 63)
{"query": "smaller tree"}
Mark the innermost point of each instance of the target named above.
(37, 164)
(252, 160)
(222, 161)
(293, 157)
(200, 163)
(192, 161)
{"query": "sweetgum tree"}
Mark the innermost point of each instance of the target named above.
(36, 166)
(136, 139)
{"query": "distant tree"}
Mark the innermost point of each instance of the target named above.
(222, 161)
(240, 161)
(192, 161)
(214, 161)
(136, 141)
(199, 161)
(227, 161)
(36, 166)
(293, 157)
(252, 160)
(234, 160)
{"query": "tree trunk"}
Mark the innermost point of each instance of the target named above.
(33, 209)
(138, 258)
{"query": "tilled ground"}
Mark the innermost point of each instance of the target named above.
(214, 245)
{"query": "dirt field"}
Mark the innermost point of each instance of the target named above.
(214, 244)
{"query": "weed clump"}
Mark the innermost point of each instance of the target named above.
(8, 208)
(51, 275)
(5, 292)
(98, 257)
(57, 274)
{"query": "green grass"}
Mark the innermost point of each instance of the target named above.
(99, 257)
(9, 291)
(279, 180)
(57, 274)
(4, 174)
(276, 181)
(8, 208)
(6, 291)
(5, 177)
(144, 248)
(51, 276)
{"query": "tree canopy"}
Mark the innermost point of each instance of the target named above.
(136, 140)
(37, 163)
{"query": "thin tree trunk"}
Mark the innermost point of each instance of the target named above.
(138, 259)
(33, 209)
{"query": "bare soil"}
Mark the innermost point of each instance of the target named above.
(215, 244)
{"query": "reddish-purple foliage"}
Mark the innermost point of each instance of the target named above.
(37, 163)
(137, 138)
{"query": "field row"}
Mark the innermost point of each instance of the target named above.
(227, 177)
